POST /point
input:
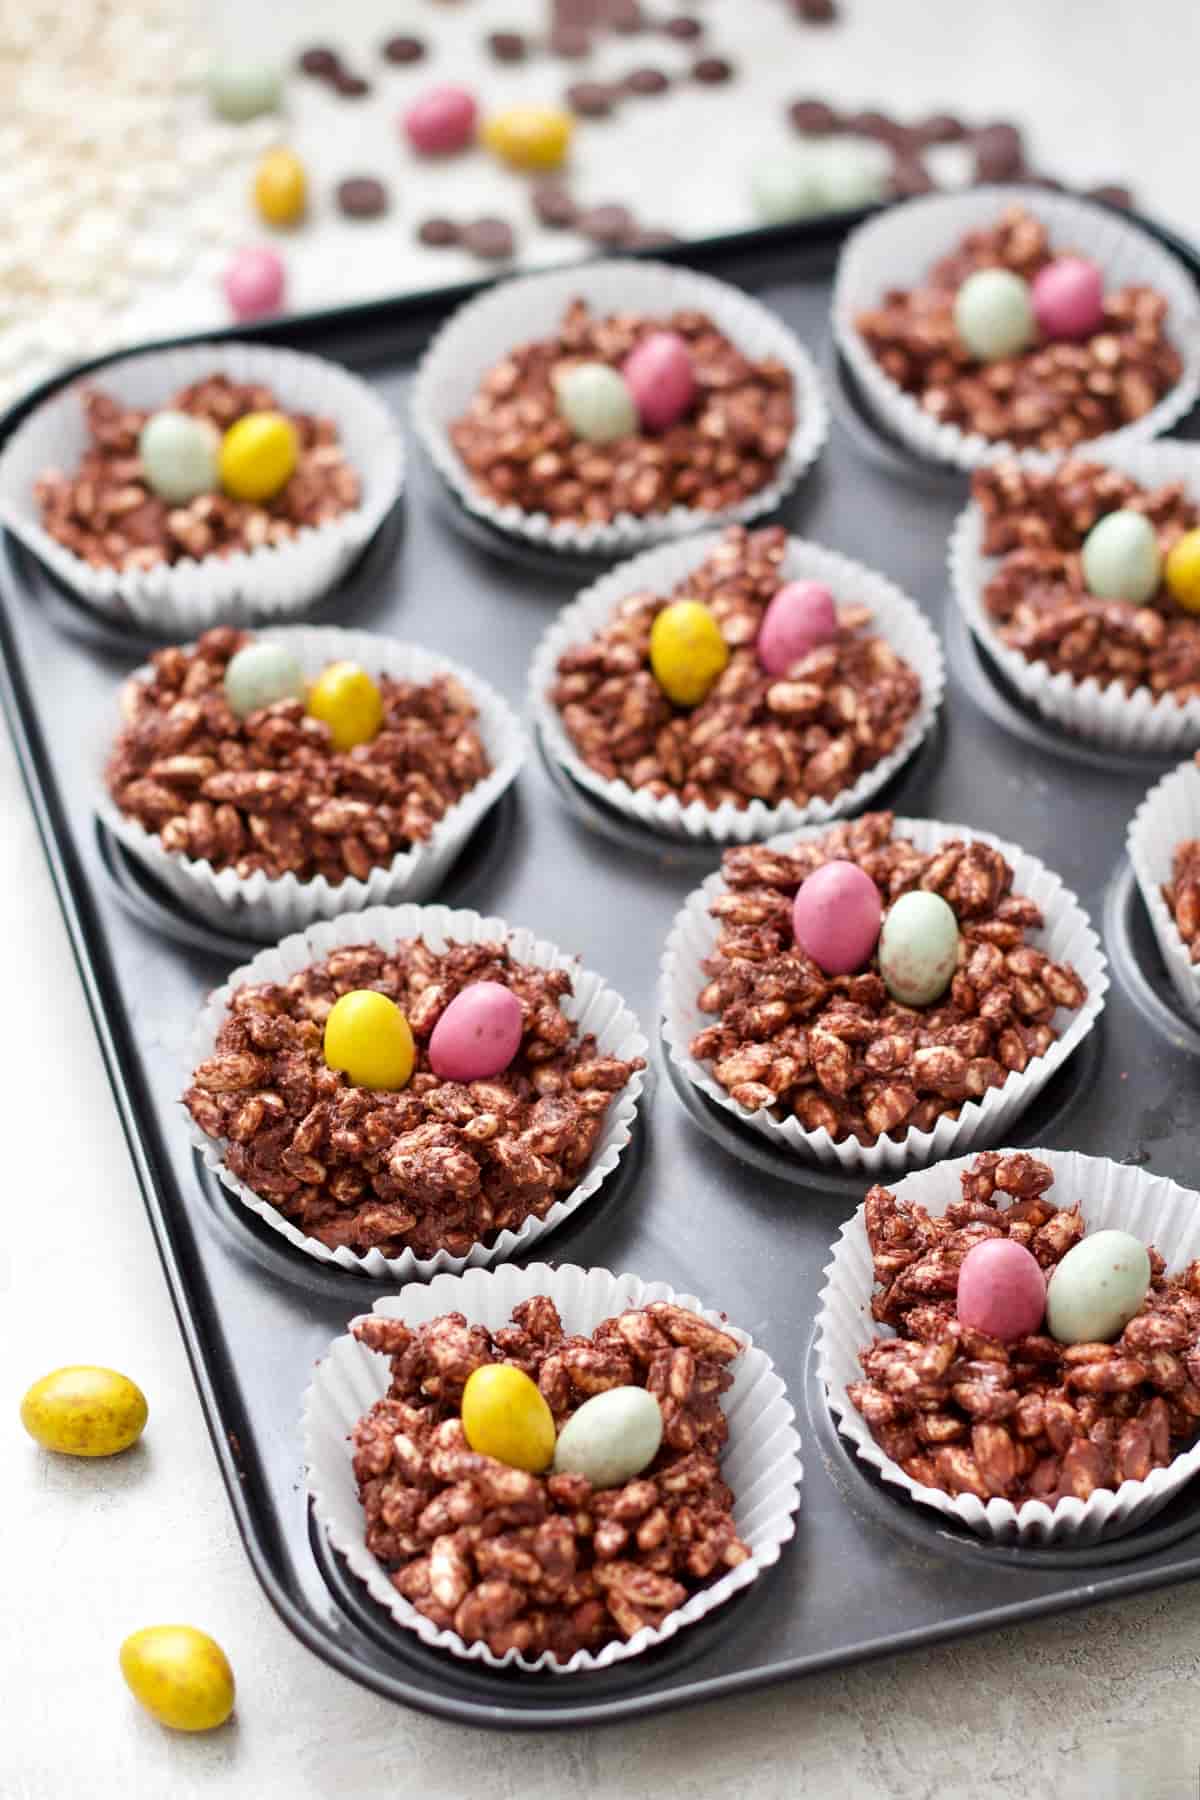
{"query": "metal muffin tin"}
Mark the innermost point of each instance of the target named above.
(696, 1201)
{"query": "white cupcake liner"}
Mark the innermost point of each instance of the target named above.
(761, 1461)
(531, 307)
(894, 617)
(592, 1007)
(898, 247)
(1168, 815)
(1111, 1196)
(189, 596)
(267, 906)
(1105, 714)
(1067, 937)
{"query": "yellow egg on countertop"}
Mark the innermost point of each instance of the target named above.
(85, 1411)
(505, 1415)
(687, 651)
(369, 1039)
(1183, 571)
(258, 456)
(345, 698)
(530, 137)
(281, 188)
(180, 1675)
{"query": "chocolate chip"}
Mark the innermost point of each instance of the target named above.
(605, 224)
(491, 239)
(877, 125)
(711, 70)
(625, 16)
(591, 99)
(648, 237)
(553, 205)
(999, 153)
(403, 49)
(1111, 194)
(683, 27)
(362, 197)
(570, 41)
(351, 87)
(507, 46)
(815, 12)
(320, 61)
(813, 118)
(438, 232)
(940, 128)
(910, 177)
(646, 81)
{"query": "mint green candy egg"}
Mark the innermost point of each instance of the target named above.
(239, 90)
(1121, 558)
(1097, 1288)
(178, 455)
(783, 185)
(918, 948)
(260, 674)
(612, 1438)
(993, 314)
(848, 174)
(596, 403)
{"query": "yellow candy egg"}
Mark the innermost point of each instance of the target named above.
(85, 1411)
(687, 651)
(258, 456)
(180, 1675)
(281, 188)
(1183, 571)
(349, 702)
(505, 1415)
(530, 137)
(369, 1039)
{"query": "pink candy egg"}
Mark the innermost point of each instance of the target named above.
(801, 616)
(1068, 298)
(1001, 1290)
(836, 917)
(478, 1034)
(441, 120)
(254, 283)
(660, 376)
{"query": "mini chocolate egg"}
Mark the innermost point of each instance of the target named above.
(661, 379)
(530, 137)
(478, 1034)
(1097, 1288)
(993, 314)
(918, 948)
(836, 917)
(687, 651)
(612, 1438)
(240, 90)
(596, 402)
(258, 455)
(1121, 558)
(801, 616)
(261, 673)
(849, 174)
(281, 187)
(178, 454)
(441, 120)
(255, 283)
(1183, 571)
(1001, 1290)
(784, 185)
(1068, 298)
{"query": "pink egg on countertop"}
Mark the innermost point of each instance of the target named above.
(441, 119)
(1068, 298)
(660, 376)
(254, 283)
(478, 1034)
(1001, 1290)
(801, 616)
(836, 917)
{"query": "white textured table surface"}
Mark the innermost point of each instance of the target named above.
(1098, 1705)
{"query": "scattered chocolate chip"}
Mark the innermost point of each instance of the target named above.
(1111, 194)
(910, 177)
(591, 99)
(1031, 178)
(648, 237)
(507, 46)
(940, 128)
(625, 16)
(877, 125)
(999, 153)
(438, 232)
(683, 27)
(362, 197)
(320, 61)
(814, 118)
(570, 41)
(491, 239)
(403, 49)
(712, 69)
(553, 205)
(815, 12)
(646, 81)
(605, 224)
(351, 87)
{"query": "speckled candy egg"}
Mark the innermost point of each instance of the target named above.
(918, 948)
(836, 917)
(1182, 571)
(1068, 298)
(1121, 558)
(441, 120)
(254, 283)
(530, 137)
(687, 651)
(478, 1034)
(661, 379)
(240, 90)
(596, 402)
(1097, 1288)
(1001, 1290)
(849, 173)
(993, 314)
(784, 185)
(612, 1438)
(178, 453)
(259, 674)
(802, 615)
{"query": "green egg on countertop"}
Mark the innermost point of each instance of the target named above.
(783, 185)
(85, 1411)
(1121, 557)
(178, 454)
(918, 948)
(242, 89)
(1097, 1288)
(612, 1438)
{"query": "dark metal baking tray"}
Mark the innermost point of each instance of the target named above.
(867, 1573)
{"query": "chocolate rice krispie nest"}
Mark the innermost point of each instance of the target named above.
(520, 451)
(1036, 524)
(1050, 397)
(106, 514)
(1182, 892)
(1034, 1419)
(269, 792)
(538, 1563)
(836, 1051)
(438, 1165)
(755, 736)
